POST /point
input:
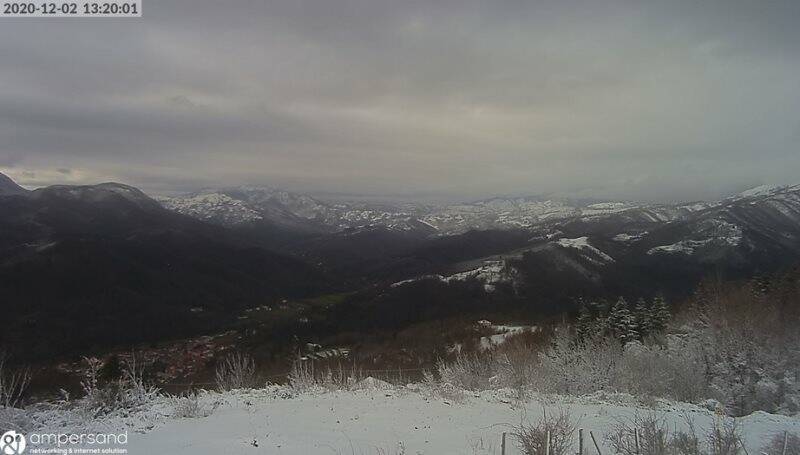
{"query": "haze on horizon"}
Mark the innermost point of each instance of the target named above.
(663, 100)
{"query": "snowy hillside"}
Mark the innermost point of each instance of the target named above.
(377, 418)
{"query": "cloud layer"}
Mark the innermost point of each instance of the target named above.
(646, 100)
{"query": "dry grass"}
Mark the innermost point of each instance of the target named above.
(236, 371)
(13, 383)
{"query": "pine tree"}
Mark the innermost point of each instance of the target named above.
(622, 323)
(584, 321)
(660, 314)
(644, 318)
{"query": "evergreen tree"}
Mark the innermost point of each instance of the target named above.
(660, 314)
(644, 318)
(621, 322)
(584, 322)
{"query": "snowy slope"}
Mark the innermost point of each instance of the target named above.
(394, 420)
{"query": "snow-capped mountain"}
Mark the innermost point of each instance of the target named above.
(243, 205)
(248, 204)
(651, 246)
(761, 220)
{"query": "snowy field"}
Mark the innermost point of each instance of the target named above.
(404, 420)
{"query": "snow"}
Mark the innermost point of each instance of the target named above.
(382, 419)
(502, 334)
(762, 190)
(582, 243)
(624, 237)
(490, 273)
(684, 246)
(711, 232)
(209, 206)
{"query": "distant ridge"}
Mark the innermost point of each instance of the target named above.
(9, 187)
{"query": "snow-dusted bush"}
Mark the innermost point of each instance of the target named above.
(467, 371)
(189, 405)
(651, 435)
(671, 370)
(782, 444)
(532, 438)
(578, 366)
(514, 367)
(431, 387)
(640, 435)
(724, 438)
(127, 392)
(236, 371)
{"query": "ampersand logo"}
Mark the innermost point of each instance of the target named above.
(12, 443)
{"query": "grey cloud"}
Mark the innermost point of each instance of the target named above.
(660, 100)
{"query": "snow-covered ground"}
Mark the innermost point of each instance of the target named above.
(382, 419)
(396, 420)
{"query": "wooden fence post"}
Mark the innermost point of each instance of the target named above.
(580, 441)
(547, 449)
(595, 443)
(636, 439)
(785, 442)
(503, 446)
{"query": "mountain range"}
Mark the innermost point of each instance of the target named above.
(102, 265)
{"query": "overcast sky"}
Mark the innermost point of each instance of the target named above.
(672, 100)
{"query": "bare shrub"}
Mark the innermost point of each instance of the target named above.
(532, 439)
(724, 438)
(436, 388)
(673, 370)
(301, 376)
(469, 372)
(578, 366)
(687, 370)
(514, 367)
(784, 443)
(188, 405)
(236, 371)
(127, 392)
(132, 384)
(644, 371)
(640, 435)
(13, 383)
(686, 442)
(91, 375)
